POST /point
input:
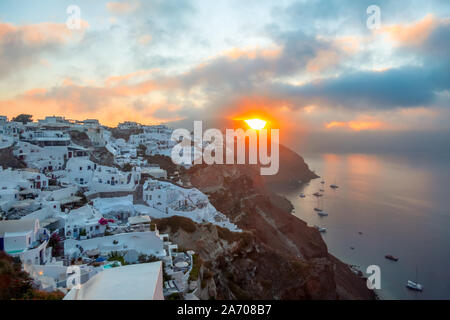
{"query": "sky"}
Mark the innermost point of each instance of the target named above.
(314, 67)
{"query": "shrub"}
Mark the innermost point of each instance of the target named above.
(175, 223)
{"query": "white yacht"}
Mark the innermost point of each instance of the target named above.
(321, 229)
(414, 285)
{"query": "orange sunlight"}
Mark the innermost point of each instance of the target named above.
(256, 124)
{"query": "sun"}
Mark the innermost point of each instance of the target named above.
(256, 124)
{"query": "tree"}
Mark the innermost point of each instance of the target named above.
(17, 284)
(141, 150)
(24, 118)
(56, 245)
(127, 167)
(14, 283)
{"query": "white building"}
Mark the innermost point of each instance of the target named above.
(133, 282)
(154, 171)
(139, 223)
(85, 173)
(170, 199)
(128, 125)
(25, 239)
(56, 121)
(130, 245)
(84, 223)
(23, 179)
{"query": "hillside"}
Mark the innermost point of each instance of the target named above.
(277, 256)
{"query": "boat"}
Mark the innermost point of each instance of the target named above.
(321, 229)
(391, 257)
(302, 195)
(334, 185)
(317, 194)
(414, 285)
(322, 213)
(318, 208)
(321, 190)
(322, 182)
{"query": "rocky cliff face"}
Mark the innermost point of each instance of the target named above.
(276, 257)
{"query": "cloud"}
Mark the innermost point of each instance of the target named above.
(414, 33)
(355, 125)
(121, 8)
(22, 46)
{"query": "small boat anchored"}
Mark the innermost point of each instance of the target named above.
(317, 194)
(302, 195)
(391, 257)
(334, 186)
(321, 229)
(322, 213)
(414, 285)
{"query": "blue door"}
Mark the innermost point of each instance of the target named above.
(1, 244)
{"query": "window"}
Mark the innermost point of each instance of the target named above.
(89, 167)
(81, 168)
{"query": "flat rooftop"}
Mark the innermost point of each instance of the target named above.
(132, 282)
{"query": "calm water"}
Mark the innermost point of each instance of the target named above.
(402, 207)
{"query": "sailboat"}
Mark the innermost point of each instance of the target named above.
(320, 212)
(414, 285)
(317, 208)
(334, 185)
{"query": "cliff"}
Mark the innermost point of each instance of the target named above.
(276, 257)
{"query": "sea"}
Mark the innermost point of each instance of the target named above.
(385, 204)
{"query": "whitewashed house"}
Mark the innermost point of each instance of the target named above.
(128, 125)
(131, 245)
(139, 223)
(191, 203)
(23, 179)
(84, 223)
(25, 239)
